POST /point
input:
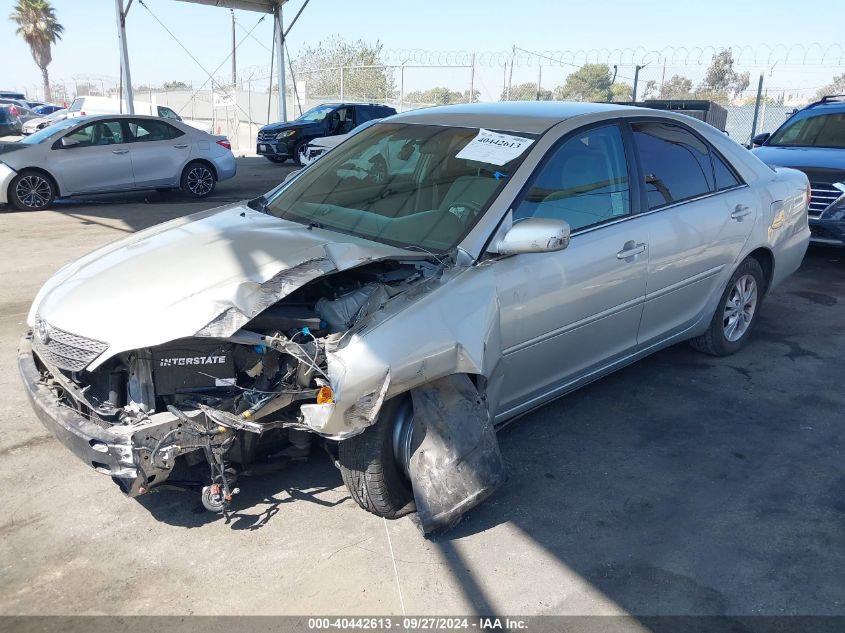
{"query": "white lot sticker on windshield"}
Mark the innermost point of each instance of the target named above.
(494, 148)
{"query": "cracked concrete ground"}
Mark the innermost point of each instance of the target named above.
(681, 485)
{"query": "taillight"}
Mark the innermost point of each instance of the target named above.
(225, 143)
(82, 113)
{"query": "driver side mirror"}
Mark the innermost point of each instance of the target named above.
(759, 139)
(69, 142)
(534, 235)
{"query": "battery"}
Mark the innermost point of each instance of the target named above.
(191, 365)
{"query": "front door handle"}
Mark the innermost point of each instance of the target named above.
(119, 151)
(740, 212)
(631, 249)
(181, 146)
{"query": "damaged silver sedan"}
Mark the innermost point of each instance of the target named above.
(398, 309)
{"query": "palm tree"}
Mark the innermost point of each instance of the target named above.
(37, 24)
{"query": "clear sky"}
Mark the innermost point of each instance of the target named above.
(89, 45)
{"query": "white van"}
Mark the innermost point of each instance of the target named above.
(112, 105)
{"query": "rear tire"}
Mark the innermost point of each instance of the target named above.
(368, 465)
(32, 191)
(737, 312)
(276, 159)
(198, 180)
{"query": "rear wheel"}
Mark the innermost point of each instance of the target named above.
(198, 180)
(736, 313)
(276, 159)
(374, 464)
(32, 191)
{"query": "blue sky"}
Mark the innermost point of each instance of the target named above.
(90, 43)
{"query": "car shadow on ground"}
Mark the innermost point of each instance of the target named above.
(690, 484)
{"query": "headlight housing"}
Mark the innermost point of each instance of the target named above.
(285, 134)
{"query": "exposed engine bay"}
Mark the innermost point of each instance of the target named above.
(220, 399)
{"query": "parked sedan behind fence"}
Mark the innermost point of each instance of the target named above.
(106, 154)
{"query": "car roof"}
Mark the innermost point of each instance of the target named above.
(532, 117)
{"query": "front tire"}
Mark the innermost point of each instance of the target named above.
(736, 313)
(198, 180)
(299, 153)
(368, 464)
(32, 191)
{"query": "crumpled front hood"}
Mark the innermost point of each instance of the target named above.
(208, 273)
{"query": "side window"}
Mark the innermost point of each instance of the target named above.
(676, 164)
(725, 178)
(345, 120)
(364, 114)
(167, 113)
(100, 133)
(143, 130)
(584, 181)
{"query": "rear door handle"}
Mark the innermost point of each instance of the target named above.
(181, 146)
(631, 249)
(119, 151)
(740, 212)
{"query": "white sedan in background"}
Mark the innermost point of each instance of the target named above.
(111, 153)
(33, 125)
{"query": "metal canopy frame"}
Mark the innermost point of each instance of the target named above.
(273, 7)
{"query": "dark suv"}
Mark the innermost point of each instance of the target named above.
(279, 141)
(10, 123)
(813, 140)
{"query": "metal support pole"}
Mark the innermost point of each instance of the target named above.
(472, 80)
(636, 81)
(280, 61)
(234, 52)
(402, 88)
(510, 76)
(341, 83)
(756, 108)
(124, 56)
(539, 79)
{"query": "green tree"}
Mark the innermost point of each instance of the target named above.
(621, 92)
(591, 82)
(676, 87)
(318, 66)
(176, 85)
(835, 87)
(436, 96)
(37, 25)
(526, 92)
(721, 81)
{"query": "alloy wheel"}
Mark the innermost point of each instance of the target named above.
(34, 191)
(739, 308)
(200, 181)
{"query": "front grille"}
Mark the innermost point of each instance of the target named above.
(266, 136)
(821, 195)
(63, 349)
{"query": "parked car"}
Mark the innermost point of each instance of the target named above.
(104, 154)
(19, 108)
(280, 141)
(10, 124)
(86, 105)
(397, 320)
(813, 140)
(33, 125)
(48, 108)
(320, 146)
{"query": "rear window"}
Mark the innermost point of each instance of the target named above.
(76, 106)
(808, 129)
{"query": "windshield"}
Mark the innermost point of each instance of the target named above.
(406, 185)
(316, 114)
(47, 132)
(812, 130)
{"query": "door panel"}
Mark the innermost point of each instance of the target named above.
(157, 153)
(98, 162)
(563, 314)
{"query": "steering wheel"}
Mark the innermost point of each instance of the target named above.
(465, 210)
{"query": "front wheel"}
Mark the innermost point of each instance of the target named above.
(736, 313)
(374, 463)
(299, 153)
(32, 191)
(198, 180)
